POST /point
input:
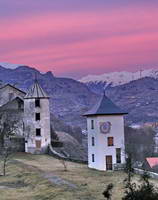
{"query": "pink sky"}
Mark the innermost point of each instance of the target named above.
(80, 42)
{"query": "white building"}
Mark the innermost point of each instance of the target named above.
(36, 120)
(105, 124)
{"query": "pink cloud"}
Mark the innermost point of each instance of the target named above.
(101, 40)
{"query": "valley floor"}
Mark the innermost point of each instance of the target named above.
(41, 177)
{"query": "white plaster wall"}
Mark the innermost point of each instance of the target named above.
(101, 149)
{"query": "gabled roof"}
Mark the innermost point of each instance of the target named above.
(152, 162)
(36, 92)
(12, 87)
(105, 107)
(9, 102)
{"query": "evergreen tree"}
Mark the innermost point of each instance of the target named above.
(108, 191)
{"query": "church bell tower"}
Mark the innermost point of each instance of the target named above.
(36, 120)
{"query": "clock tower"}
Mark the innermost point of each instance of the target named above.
(105, 124)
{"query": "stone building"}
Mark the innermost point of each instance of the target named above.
(31, 111)
(37, 119)
(12, 106)
(105, 124)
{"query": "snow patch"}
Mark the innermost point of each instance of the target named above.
(9, 65)
(120, 78)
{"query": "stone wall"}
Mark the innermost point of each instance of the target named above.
(16, 143)
(8, 93)
(141, 172)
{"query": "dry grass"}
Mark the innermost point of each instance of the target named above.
(25, 172)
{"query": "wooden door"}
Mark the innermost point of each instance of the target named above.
(38, 144)
(108, 162)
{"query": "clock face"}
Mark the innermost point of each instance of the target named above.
(105, 127)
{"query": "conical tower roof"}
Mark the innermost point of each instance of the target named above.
(105, 107)
(36, 91)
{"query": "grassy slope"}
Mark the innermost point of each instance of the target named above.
(26, 170)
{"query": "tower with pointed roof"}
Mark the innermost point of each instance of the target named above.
(105, 125)
(36, 119)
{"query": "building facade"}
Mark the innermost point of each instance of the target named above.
(36, 120)
(105, 124)
(30, 111)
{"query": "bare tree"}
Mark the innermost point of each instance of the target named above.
(9, 126)
(64, 163)
(139, 143)
(5, 156)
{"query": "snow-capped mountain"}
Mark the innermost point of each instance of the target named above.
(9, 65)
(119, 78)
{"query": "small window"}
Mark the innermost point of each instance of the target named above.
(118, 155)
(92, 124)
(93, 158)
(38, 132)
(93, 142)
(37, 102)
(38, 116)
(110, 141)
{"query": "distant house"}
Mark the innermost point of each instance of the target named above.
(105, 124)
(151, 164)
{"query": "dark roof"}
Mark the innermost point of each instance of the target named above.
(105, 107)
(12, 87)
(36, 92)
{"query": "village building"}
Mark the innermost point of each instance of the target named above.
(37, 120)
(105, 124)
(151, 164)
(31, 111)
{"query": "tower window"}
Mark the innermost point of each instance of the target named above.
(38, 116)
(93, 142)
(37, 102)
(118, 155)
(38, 132)
(93, 159)
(110, 141)
(92, 124)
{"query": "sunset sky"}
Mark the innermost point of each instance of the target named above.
(73, 38)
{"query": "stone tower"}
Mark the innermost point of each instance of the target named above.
(36, 120)
(105, 124)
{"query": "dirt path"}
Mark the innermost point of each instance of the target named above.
(57, 180)
(47, 175)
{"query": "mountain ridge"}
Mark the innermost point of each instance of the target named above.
(67, 95)
(70, 99)
(119, 78)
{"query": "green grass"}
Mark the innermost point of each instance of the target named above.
(24, 180)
